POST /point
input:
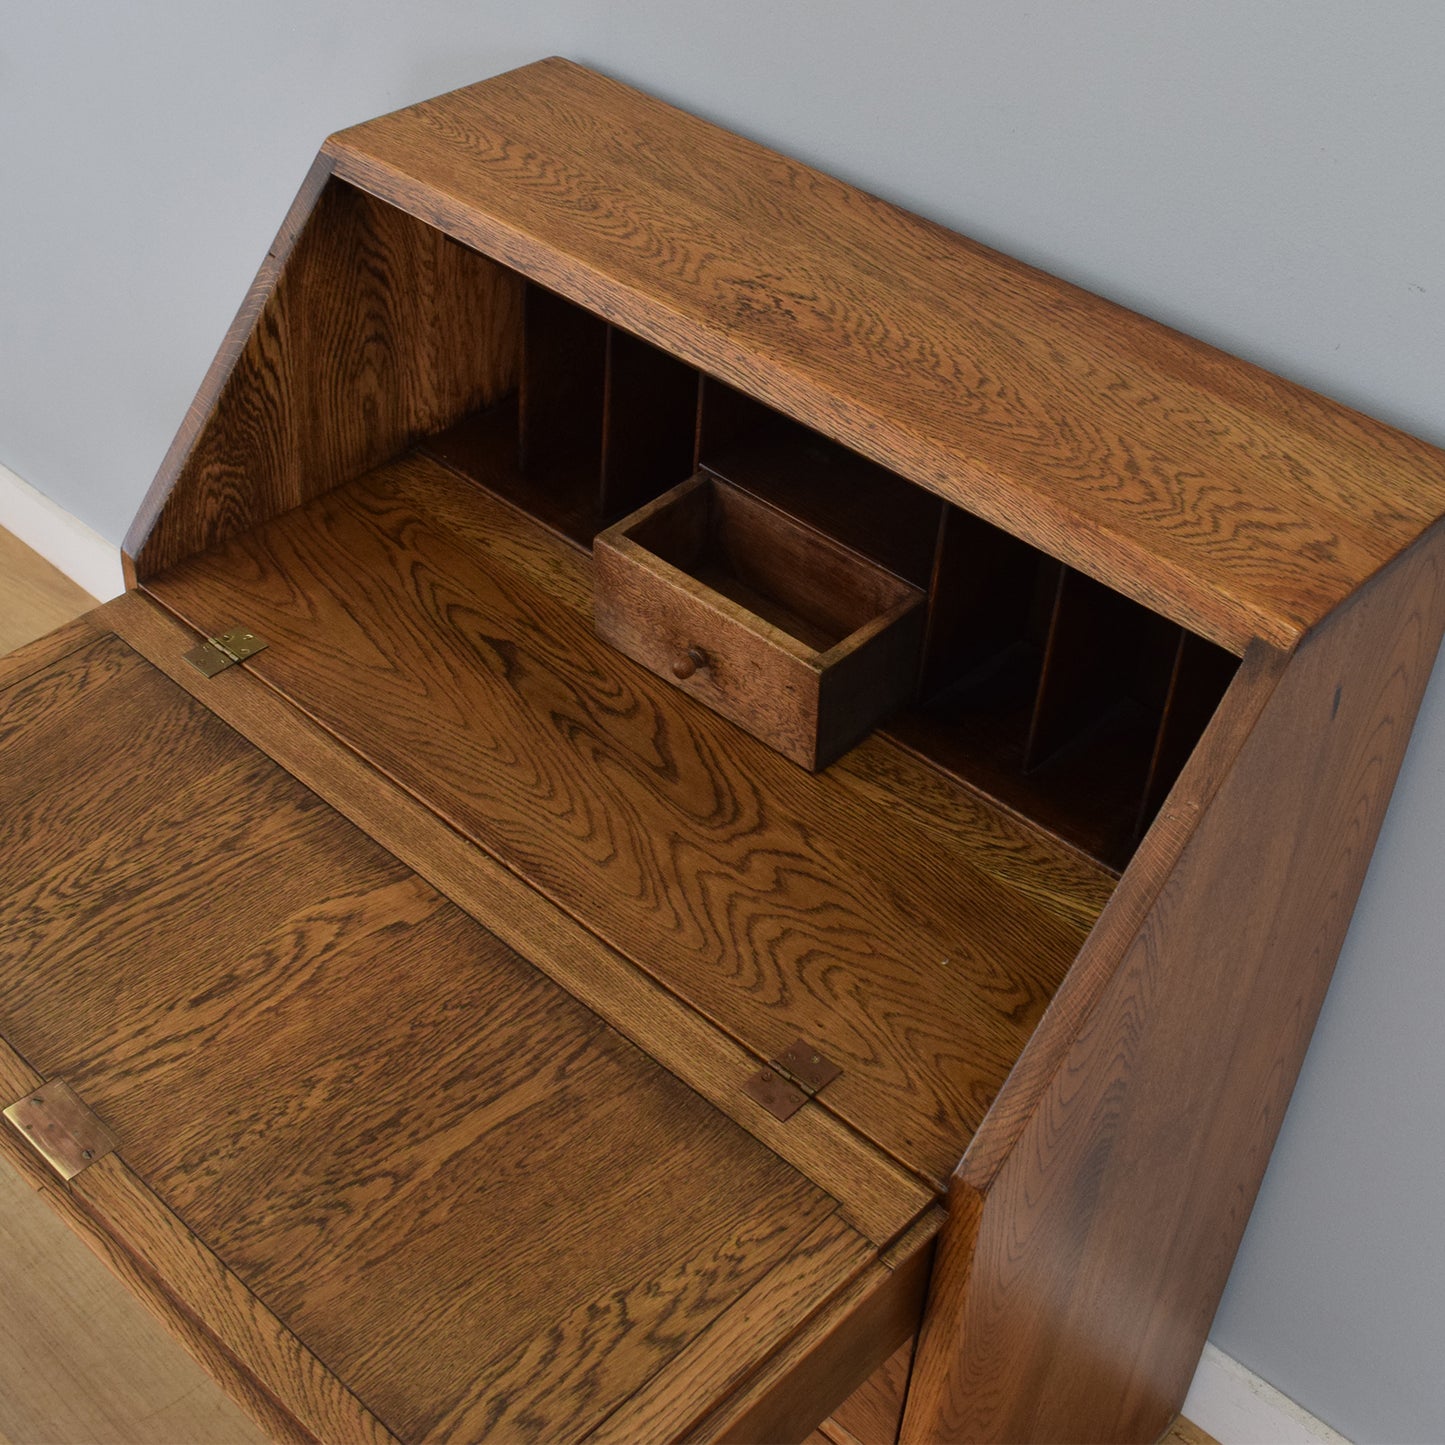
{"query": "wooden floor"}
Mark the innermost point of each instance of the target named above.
(34, 597)
(81, 1362)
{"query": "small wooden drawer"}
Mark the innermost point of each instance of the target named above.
(768, 622)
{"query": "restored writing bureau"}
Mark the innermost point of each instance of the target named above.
(712, 807)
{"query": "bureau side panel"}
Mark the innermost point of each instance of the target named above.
(1074, 1297)
(364, 331)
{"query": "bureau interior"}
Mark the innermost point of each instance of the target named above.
(915, 906)
(1054, 694)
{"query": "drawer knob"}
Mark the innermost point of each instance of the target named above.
(687, 663)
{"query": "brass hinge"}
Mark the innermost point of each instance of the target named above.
(791, 1080)
(59, 1127)
(234, 645)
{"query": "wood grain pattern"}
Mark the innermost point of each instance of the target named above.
(200, 414)
(1064, 879)
(35, 597)
(36, 656)
(94, 1314)
(1105, 1234)
(1088, 794)
(16, 1076)
(265, 1368)
(715, 1364)
(826, 1361)
(875, 1196)
(443, 1174)
(771, 624)
(401, 1152)
(276, 1357)
(484, 447)
(482, 1240)
(873, 1413)
(448, 640)
(377, 331)
(1231, 501)
(1124, 915)
(1186, 1432)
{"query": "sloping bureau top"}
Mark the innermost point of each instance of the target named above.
(1234, 502)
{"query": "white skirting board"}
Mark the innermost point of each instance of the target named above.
(63, 540)
(1234, 1405)
(1225, 1399)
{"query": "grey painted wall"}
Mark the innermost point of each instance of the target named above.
(1269, 176)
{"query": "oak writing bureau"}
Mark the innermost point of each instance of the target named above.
(841, 944)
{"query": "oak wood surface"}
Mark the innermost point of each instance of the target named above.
(837, 1352)
(377, 331)
(486, 445)
(179, 1299)
(1123, 916)
(1091, 1234)
(796, 639)
(190, 522)
(448, 639)
(1231, 501)
(717, 1362)
(873, 1413)
(274, 1422)
(419, 1154)
(875, 1195)
(415, 1068)
(1186, 1432)
(40, 654)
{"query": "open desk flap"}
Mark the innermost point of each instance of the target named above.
(476, 1205)
(905, 926)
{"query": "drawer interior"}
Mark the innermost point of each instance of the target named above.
(774, 624)
(794, 578)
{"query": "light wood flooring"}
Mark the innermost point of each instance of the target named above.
(34, 597)
(81, 1362)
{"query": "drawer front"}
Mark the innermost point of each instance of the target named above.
(734, 663)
